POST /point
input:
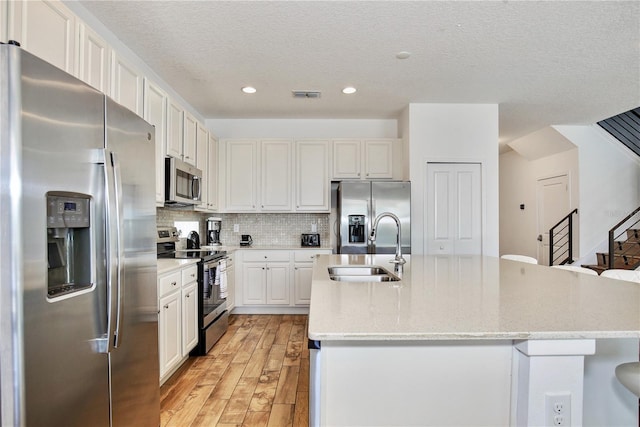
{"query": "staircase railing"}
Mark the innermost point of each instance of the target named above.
(613, 237)
(561, 240)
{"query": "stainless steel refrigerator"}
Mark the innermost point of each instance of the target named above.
(78, 299)
(359, 203)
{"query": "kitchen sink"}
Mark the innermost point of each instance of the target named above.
(361, 273)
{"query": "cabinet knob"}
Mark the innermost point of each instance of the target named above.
(166, 307)
(263, 268)
(188, 295)
(174, 283)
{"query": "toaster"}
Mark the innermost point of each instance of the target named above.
(312, 239)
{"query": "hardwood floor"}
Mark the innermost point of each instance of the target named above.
(256, 375)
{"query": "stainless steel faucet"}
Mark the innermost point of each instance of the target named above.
(372, 238)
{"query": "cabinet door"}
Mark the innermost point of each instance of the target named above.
(3, 21)
(378, 159)
(346, 159)
(45, 28)
(170, 333)
(202, 163)
(155, 112)
(241, 176)
(275, 160)
(312, 176)
(302, 283)
(212, 176)
(254, 285)
(126, 84)
(278, 283)
(95, 59)
(189, 318)
(175, 127)
(190, 138)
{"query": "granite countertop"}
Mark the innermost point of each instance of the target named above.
(469, 298)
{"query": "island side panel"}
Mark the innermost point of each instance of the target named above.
(443, 383)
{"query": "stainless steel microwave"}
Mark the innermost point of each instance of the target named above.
(182, 183)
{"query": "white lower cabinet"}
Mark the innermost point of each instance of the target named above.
(169, 326)
(276, 277)
(303, 273)
(178, 317)
(265, 277)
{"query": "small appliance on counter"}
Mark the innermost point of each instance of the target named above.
(312, 239)
(246, 240)
(214, 225)
(193, 240)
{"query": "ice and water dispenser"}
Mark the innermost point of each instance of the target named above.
(356, 229)
(68, 243)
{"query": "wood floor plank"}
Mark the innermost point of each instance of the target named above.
(256, 419)
(301, 410)
(256, 375)
(226, 385)
(281, 416)
(287, 385)
(210, 413)
(264, 392)
(191, 407)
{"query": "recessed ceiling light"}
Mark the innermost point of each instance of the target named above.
(349, 90)
(403, 54)
(249, 89)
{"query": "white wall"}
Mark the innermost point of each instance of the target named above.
(609, 183)
(518, 185)
(453, 133)
(303, 128)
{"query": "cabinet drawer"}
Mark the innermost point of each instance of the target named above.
(308, 255)
(266, 256)
(170, 282)
(190, 274)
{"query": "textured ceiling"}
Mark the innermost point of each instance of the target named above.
(543, 62)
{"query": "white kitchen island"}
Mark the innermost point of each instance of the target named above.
(466, 340)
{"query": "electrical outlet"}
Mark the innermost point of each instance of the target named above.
(558, 409)
(314, 227)
(236, 228)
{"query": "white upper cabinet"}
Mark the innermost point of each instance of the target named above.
(190, 137)
(276, 182)
(3, 20)
(241, 176)
(155, 112)
(312, 176)
(212, 175)
(346, 159)
(363, 159)
(202, 163)
(45, 28)
(127, 84)
(94, 60)
(378, 159)
(175, 129)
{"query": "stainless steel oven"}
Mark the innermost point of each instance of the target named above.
(212, 302)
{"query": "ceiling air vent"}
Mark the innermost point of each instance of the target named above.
(305, 94)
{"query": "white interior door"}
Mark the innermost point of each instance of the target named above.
(454, 208)
(552, 204)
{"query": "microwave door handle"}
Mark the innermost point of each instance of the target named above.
(196, 188)
(115, 274)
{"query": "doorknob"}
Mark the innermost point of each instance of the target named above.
(539, 237)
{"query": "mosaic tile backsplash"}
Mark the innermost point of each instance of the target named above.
(266, 229)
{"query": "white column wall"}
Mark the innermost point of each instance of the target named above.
(453, 133)
(518, 184)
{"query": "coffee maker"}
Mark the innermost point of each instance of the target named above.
(214, 225)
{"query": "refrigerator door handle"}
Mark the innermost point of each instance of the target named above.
(114, 250)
